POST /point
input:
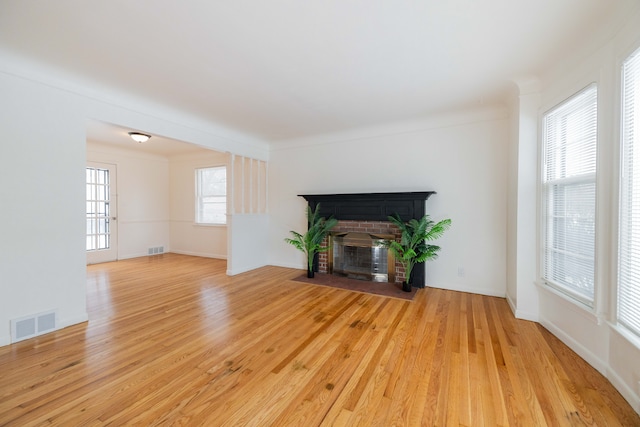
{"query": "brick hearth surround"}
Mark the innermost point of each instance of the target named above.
(371, 227)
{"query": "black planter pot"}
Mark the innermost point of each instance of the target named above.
(406, 286)
(310, 273)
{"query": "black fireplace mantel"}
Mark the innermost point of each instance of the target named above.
(370, 206)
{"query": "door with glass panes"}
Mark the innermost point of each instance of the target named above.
(101, 218)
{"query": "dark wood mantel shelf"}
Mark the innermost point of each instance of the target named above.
(370, 206)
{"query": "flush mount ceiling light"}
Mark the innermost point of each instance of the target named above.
(139, 137)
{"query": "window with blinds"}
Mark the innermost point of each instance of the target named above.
(629, 224)
(569, 195)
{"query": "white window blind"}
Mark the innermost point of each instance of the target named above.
(211, 195)
(629, 228)
(569, 191)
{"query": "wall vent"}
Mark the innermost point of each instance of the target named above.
(34, 325)
(156, 250)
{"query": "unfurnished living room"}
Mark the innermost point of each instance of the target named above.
(162, 163)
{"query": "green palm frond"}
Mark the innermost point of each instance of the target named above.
(412, 247)
(311, 242)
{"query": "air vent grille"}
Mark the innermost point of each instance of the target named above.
(156, 250)
(32, 326)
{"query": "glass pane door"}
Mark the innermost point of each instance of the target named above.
(100, 213)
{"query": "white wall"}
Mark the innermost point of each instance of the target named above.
(42, 254)
(142, 198)
(512, 200)
(249, 237)
(522, 234)
(463, 158)
(187, 237)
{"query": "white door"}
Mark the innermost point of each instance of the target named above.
(102, 226)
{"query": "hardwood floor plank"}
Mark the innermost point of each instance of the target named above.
(173, 340)
(405, 386)
(364, 405)
(464, 396)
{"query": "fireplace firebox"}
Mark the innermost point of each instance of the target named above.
(361, 256)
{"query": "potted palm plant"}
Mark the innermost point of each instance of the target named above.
(311, 242)
(413, 247)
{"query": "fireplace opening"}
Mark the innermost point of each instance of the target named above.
(361, 256)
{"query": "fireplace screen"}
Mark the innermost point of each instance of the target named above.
(362, 256)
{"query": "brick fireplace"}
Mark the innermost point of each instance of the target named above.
(366, 214)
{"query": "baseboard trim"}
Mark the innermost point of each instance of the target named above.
(244, 269)
(479, 291)
(288, 265)
(521, 314)
(627, 392)
(5, 340)
(574, 345)
(73, 321)
(512, 305)
(199, 254)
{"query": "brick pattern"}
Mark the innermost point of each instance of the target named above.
(371, 227)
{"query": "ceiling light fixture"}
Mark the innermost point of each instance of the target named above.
(139, 137)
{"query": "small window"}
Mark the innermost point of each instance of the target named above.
(211, 195)
(569, 195)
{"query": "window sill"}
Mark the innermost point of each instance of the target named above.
(199, 224)
(576, 306)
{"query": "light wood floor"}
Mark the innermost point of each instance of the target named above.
(171, 340)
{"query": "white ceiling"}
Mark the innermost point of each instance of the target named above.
(282, 69)
(101, 132)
